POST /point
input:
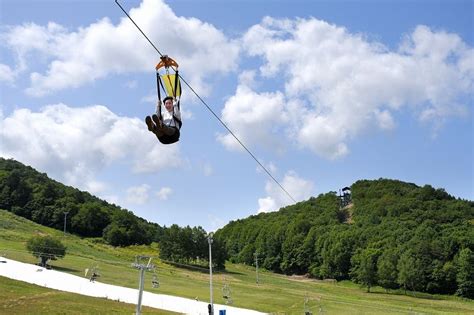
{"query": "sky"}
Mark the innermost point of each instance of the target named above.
(322, 93)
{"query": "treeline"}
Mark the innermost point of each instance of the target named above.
(33, 195)
(190, 246)
(395, 234)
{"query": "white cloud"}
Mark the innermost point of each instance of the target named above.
(81, 56)
(74, 144)
(384, 119)
(138, 194)
(266, 204)
(271, 167)
(254, 118)
(164, 193)
(346, 85)
(6, 74)
(298, 187)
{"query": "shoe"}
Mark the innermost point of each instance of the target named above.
(149, 123)
(157, 121)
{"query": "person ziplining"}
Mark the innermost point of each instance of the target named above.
(166, 122)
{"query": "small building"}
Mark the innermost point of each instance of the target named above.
(345, 197)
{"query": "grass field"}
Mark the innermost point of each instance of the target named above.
(277, 294)
(18, 297)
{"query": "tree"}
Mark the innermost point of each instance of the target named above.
(365, 267)
(387, 269)
(465, 276)
(126, 229)
(14, 191)
(90, 220)
(45, 248)
(408, 272)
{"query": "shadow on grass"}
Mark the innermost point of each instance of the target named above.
(63, 269)
(413, 294)
(202, 269)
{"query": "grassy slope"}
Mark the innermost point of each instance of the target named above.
(276, 293)
(18, 297)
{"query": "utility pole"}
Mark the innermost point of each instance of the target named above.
(256, 265)
(209, 239)
(142, 267)
(65, 220)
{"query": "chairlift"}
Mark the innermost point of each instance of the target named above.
(154, 282)
(226, 294)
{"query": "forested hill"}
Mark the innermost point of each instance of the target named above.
(33, 195)
(394, 234)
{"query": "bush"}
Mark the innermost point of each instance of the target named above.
(45, 248)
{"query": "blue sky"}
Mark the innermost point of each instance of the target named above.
(324, 93)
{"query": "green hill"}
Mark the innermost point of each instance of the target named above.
(394, 234)
(275, 293)
(33, 195)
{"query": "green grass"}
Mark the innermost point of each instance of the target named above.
(18, 297)
(277, 294)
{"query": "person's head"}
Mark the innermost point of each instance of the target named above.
(168, 101)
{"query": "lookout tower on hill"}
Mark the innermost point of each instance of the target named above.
(345, 197)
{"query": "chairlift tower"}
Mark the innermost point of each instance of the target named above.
(140, 265)
(211, 305)
(65, 220)
(256, 265)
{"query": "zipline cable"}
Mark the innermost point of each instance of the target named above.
(151, 43)
(209, 108)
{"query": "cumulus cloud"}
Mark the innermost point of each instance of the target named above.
(343, 84)
(271, 167)
(138, 194)
(255, 118)
(74, 144)
(106, 48)
(298, 187)
(7, 74)
(164, 193)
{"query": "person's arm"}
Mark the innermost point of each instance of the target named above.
(177, 112)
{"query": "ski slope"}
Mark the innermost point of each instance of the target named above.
(66, 282)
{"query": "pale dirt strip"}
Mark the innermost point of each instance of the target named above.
(66, 282)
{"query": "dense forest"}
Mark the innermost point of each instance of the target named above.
(393, 234)
(33, 195)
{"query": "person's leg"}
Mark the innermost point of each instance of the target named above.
(157, 129)
(151, 126)
(157, 121)
(169, 131)
(161, 128)
(159, 132)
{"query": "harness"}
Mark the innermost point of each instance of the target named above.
(171, 87)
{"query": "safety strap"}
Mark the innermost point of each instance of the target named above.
(159, 83)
